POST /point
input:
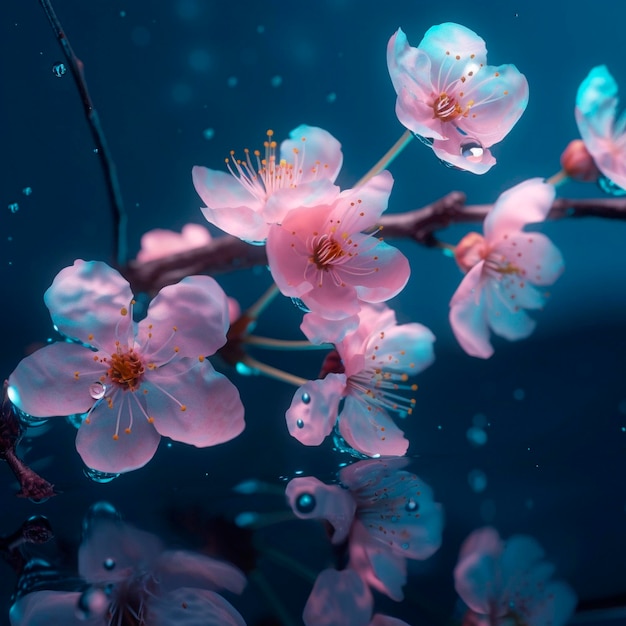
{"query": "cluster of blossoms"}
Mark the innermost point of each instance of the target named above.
(131, 381)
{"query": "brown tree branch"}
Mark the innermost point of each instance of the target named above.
(226, 254)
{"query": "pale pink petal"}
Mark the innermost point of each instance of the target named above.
(239, 221)
(556, 607)
(313, 410)
(317, 149)
(189, 319)
(90, 301)
(159, 243)
(505, 318)
(386, 620)
(371, 432)
(49, 608)
(192, 607)
(55, 380)
(363, 477)
(127, 548)
(319, 330)
(596, 109)
(96, 443)
(234, 310)
(468, 314)
(528, 202)
(335, 302)
(221, 191)
(190, 402)
(312, 194)
(464, 152)
(179, 568)
(338, 599)
(310, 498)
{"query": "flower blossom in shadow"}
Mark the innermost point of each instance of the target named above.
(503, 269)
(386, 514)
(261, 189)
(507, 582)
(376, 361)
(603, 134)
(132, 579)
(134, 381)
(158, 243)
(448, 94)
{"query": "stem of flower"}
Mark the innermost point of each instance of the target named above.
(388, 157)
(272, 372)
(557, 179)
(284, 344)
(240, 327)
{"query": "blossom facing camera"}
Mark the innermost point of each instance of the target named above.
(449, 95)
(260, 189)
(603, 134)
(135, 382)
(504, 268)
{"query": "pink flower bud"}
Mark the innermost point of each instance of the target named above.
(469, 251)
(578, 164)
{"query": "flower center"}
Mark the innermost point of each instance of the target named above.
(126, 369)
(326, 252)
(446, 108)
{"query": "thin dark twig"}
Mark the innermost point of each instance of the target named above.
(120, 248)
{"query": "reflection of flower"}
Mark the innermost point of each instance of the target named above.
(321, 255)
(376, 362)
(502, 268)
(159, 242)
(260, 189)
(135, 381)
(387, 515)
(507, 582)
(134, 580)
(604, 136)
(447, 93)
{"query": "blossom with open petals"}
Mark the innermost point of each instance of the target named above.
(596, 115)
(376, 362)
(158, 243)
(135, 381)
(504, 267)
(133, 579)
(448, 94)
(320, 254)
(260, 189)
(508, 582)
(386, 514)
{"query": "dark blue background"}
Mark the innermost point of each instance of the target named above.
(159, 75)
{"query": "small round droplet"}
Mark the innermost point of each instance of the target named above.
(27, 191)
(97, 390)
(477, 480)
(476, 436)
(92, 601)
(276, 81)
(59, 69)
(108, 564)
(14, 207)
(411, 506)
(405, 546)
(300, 424)
(208, 133)
(472, 150)
(99, 477)
(305, 503)
(331, 97)
(232, 81)
(306, 398)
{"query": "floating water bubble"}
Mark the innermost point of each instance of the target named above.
(300, 424)
(305, 503)
(59, 69)
(14, 207)
(208, 133)
(301, 305)
(411, 506)
(99, 477)
(306, 398)
(477, 480)
(108, 564)
(92, 602)
(331, 97)
(608, 186)
(260, 29)
(27, 191)
(232, 81)
(97, 390)
(472, 150)
(476, 436)
(276, 81)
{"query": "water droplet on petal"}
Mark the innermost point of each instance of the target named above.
(301, 305)
(92, 602)
(108, 564)
(99, 477)
(305, 503)
(97, 390)
(300, 424)
(472, 150)
(306, 398)
(411, 506)
(405, 546)
(59, 69)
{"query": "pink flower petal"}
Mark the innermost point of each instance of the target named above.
(192, 607)
(310, 498)
(238, 221)
(371, 432)
(338, 598)
(55, 380)
(445, 42)
(315, 193)
(187, 319)
(190, 402)
(158, 243)
(45, 608)
(95, 440)
(90, 301)
(504, 318)
(313, 410)
(319, 330)
(465, 152)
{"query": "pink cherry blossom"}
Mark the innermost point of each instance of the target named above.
(596, 115)
(377, 360)
(504, 268)
(508, 582)
(261, 189)
(321, 255)
(159, 242)
(135, 381)
(386, 514)
(448, 94)
(131, 575)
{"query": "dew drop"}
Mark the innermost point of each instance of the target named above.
(476, 436)
(405, 546)
(301, 305)
(108, 564)
(306, 398)
(472, 150)
(99, 477)
(305, 503)
(208, 133)
(276, 81)
(27, 191)
(59, 69)
(92, 602)
(97, 390)
(331, 97)
(300, 424)
(411, 506)
(14, 207)
(477, 480)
